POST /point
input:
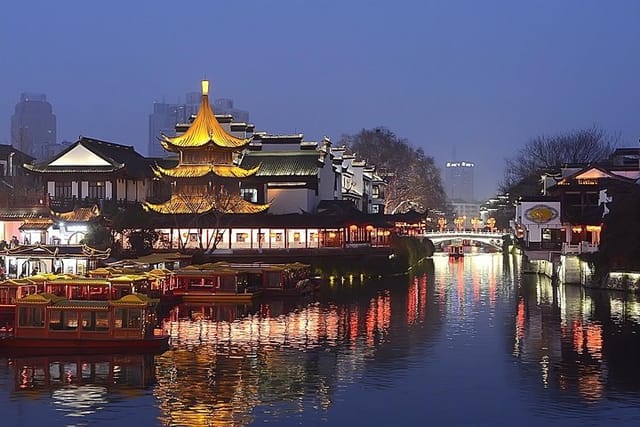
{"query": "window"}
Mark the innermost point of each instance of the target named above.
(63, 320)
(96, 190)
(128, 318)
(242, 237)
(95, 321)
(249, 194)
(63, 190)
(31, 317)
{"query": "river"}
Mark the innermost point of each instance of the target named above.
(464, 342)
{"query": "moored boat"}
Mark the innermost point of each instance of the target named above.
(49, 324)
(456, 251)
(242, 282)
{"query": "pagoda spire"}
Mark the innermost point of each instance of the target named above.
(204, 130)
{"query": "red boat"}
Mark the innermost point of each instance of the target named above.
(48, 324)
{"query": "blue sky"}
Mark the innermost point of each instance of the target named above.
(478, 78)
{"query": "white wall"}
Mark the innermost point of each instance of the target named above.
(290, 200)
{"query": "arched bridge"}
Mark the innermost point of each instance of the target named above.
(489, 238)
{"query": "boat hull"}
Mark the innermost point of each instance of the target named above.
(49, 346)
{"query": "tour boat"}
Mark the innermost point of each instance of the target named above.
(49, 324)
(456, 251)
(240, 282)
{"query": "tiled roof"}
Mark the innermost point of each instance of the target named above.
(198, 204)
(119, 157)
(36, 224)
(6, 149)
(78, 214)
(196, 171)
(84, 304)
(287, 163)
(61, 251)
(18, 214)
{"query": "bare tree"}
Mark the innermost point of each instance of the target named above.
(545, 152)
(204, 209)
(413, 180)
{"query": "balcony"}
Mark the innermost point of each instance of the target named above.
(579, 248)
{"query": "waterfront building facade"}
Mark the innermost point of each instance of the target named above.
(292, 175)
(360, 183)
(585, 196)
(575, 201)
(222, 187)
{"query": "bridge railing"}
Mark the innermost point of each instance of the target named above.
(464, 232)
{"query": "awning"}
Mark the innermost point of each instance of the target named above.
(36, 224)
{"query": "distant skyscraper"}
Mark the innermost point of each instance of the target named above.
(165, 117)
(33, 126)
(459, 181)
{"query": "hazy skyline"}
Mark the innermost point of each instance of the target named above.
(478, 77)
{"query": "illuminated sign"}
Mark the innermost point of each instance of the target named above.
(588, 181)
(541, 214)
(459, 165)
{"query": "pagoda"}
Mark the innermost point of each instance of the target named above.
(206, 177)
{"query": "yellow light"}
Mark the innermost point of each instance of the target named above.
(369, 228)
(353, 227)
(205, 87)
(593, 228)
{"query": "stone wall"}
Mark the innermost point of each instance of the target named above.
(617, 281)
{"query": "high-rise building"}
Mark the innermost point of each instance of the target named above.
(33, 126)
(166, 116)
(459, 180)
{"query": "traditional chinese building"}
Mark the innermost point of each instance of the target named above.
(206, 178)
(585, 195)
(92, 171)
(293, 175)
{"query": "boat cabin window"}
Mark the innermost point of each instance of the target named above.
(95, 321)
(31, 317)
(60, 320)
(128, 318)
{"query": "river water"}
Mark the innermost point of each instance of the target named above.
(464, 342)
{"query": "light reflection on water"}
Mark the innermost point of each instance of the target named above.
(469, 341)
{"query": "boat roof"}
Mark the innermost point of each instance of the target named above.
(60, 302)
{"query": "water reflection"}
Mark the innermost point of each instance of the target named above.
(79, 386)
(435, 342)
(583, 343)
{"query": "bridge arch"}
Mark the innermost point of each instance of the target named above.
(488, 238)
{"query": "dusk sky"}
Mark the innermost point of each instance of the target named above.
(478, 78)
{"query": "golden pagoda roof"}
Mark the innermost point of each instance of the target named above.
(196, 171)
(204, 130)
(198, 204)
